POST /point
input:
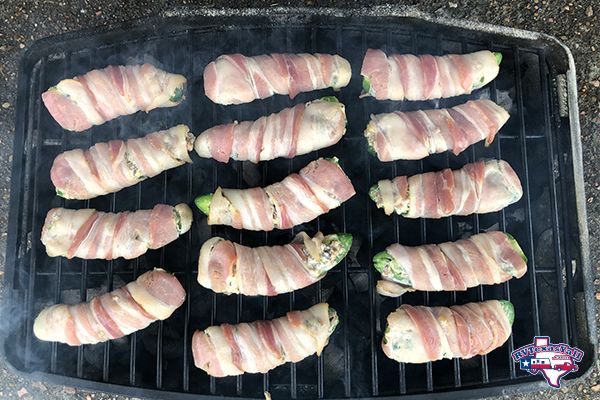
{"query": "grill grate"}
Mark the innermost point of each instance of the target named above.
(536, 142)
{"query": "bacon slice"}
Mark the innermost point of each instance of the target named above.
(105, 94)
(237, 79)
(92, 234)
(155, 295)
(317, 188)
(415, 135)
(109, 167)
(483, 259)
(288, 133)
(481, 187)
(407, 77)
(227, 267)
(260, 346)
(418, 334)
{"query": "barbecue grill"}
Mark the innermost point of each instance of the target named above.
(541, 142)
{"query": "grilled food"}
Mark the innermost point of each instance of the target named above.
(483, 259)
(415, 135)
(260, 346)
(151, 297)
(481, 187)
(318, 188)
(227, 267)
(236, 79)
(288, 133)
(89, 234)
(104, 94)
(421, 334)
(425, 77)
(109, 167)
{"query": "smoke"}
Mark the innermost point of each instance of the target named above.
(348, 287)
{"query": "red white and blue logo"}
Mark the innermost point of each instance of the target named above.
(551, 360)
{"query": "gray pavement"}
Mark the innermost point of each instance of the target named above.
(576, 23)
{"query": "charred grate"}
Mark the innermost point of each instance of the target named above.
(536, 141)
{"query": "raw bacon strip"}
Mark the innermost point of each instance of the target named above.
(318, 188)
(288, 133)
(237, 79)
(426, 77)
(227, 267)
(153, 296)
(104, 94)
(418, 334)
(483, 259)
(481, 187)
(260, 346)
(109, 167)
(92, 234)
(417, 134)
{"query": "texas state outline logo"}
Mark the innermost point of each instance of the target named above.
(552, 360)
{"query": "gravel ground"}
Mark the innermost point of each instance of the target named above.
(576, 23)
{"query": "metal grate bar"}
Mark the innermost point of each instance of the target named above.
(516, 137)
(238, 313)
(188, 254)
(110, 270)
(265, 307)
(32, 124)
(374, 309)
(502, 221)
(291, 295)
(265, 174)
(571, 320)
(450, 232)
(84, 279)
(213, 309)
(553, 197)
(84, 263)
(134, 336)
(347, 375)
(82, 298)
(476, 229)
(320, 361)
(188, 306)
(525, 165)
(159, 336)
(423, 222)
(64, 140)
(240, 168)
(396, 223)
(106, 361)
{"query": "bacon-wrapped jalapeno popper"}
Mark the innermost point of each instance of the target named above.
(109, 167)
(418, 334)
(153, 296)
(316, 189)
(481, 187)
(483, 259)
(227, 267)
(426, 77)
(288, 133)
(91, 234)
(260, 346)
(104, 94)
(237, 79)
(417, 134)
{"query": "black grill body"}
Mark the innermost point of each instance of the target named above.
(540, 141)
